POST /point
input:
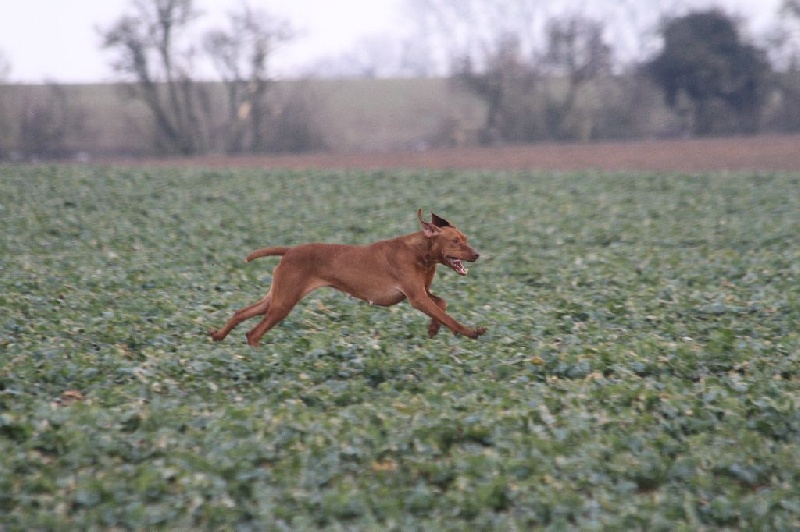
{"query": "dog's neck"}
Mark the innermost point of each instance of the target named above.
(426, 256)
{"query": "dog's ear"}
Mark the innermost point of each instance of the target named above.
(428, 229)
(440, 222)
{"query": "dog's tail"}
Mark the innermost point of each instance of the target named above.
(266, 252)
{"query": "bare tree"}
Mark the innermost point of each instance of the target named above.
(155, 51)
(535, 95)
(146, 42)
(791, 36)
(240, 54)
(5, 130)
(577, 54)
(783, 41)
(5, 66)
(530, 61)
(791, 33)
(508, 85)
(452, 29)
(562, 71)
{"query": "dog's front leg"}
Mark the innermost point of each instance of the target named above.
(434, 325)
(423, 302)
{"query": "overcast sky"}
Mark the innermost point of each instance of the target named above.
(57, 40)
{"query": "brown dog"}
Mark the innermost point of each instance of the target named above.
(384, 273)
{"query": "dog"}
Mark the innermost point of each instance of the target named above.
(384, 273)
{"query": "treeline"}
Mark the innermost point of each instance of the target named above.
(559, 80)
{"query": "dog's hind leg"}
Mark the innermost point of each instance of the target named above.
(289, 286)
(262, 307)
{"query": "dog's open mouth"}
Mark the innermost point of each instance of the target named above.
(457, 265)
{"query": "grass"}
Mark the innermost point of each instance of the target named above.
(641, 370)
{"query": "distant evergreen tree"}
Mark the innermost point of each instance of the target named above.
(705, 60)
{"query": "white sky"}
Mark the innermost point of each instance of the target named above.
(57, 40)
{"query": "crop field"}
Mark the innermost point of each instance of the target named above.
(641, 369)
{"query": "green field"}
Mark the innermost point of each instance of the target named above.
(641, 369)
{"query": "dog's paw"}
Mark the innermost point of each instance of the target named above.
(478, 331)
(214, 334)
(252, 341)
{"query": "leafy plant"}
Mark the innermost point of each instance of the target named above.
(641, 369)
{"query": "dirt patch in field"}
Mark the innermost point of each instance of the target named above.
(762, 154)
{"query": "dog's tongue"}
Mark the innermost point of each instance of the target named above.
(458, 266)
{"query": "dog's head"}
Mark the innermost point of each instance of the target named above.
(448, 244)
